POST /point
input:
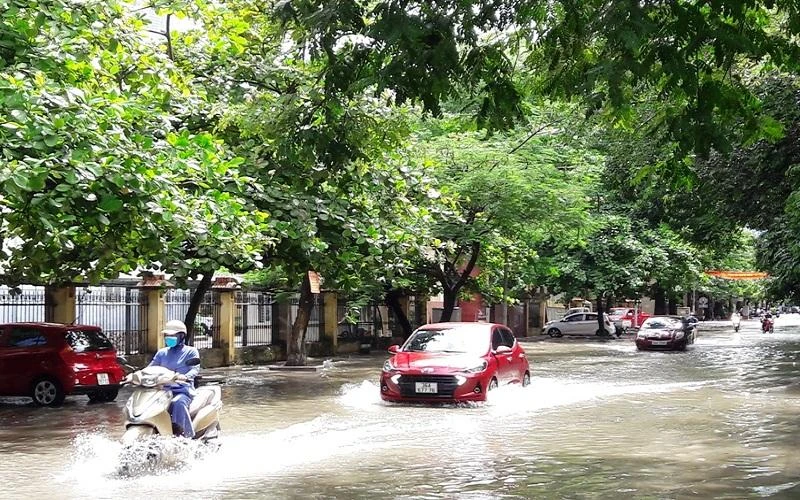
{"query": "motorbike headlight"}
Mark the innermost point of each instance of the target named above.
(478, 367)
(388, 366)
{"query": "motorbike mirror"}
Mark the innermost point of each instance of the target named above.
(193, 362)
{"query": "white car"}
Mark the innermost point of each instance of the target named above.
(582, 323)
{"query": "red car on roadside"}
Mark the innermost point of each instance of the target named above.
(48, 361)
(453, 362)
(626, 317)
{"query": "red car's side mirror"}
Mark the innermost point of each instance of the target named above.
(503, 349)
(394, 349)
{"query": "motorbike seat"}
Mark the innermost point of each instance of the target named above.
(204, 396)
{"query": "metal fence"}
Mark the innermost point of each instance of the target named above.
(24, 303)
(316, 323)
(365, 321)
(207, 322)
(120, 311)
(253, 324)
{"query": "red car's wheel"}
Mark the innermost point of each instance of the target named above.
(492, 385)
(47, 392)
(526, 379)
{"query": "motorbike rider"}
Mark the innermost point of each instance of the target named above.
(174, 357)
(766, 321)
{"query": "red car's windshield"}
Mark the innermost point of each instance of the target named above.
(448, 340)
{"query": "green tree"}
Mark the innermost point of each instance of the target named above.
(512, 191)
(94, 155)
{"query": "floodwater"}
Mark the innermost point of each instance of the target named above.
(600, 420)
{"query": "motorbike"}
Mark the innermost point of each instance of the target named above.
(767, 325)
(147, 418)
(736, 319)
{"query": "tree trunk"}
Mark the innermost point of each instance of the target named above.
(600, 324)
(296, 344)
(660, 299)
(393, 301)
(194, 305)
(450, 298)
(673, 305)
(451, 291)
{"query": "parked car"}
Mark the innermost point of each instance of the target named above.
(666, 332)
(48, 361)
(453, 362)
(573, 310)
(578, 324)
(626, 317)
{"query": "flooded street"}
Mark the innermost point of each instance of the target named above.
(600, 420)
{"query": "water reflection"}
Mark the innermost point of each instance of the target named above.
(599, 420)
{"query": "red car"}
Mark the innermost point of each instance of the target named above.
(666, 332)
(624, 318)
(453, 362)
(48, 361)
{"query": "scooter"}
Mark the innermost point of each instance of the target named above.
(737, 321)
(147, 415)
(767, 325)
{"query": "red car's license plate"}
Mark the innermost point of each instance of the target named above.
(427, 387)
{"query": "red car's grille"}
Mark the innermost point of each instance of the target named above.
(446, 385)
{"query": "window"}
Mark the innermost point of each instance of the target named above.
(591, 317)
(508, 337)
(88, 340)
(574, 317)
(497, 339)
(262, 308)
(26, 337)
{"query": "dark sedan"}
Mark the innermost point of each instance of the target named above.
(666, 332)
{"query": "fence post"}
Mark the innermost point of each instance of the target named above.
(153, 286)
(330, 318)
(227, 287)
(62, 302)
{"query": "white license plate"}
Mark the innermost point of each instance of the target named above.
(427, 387)
(659, 342)
(102, 379)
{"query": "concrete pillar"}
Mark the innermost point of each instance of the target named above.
(154, 287)
(384, 311)
(227, 325)
(226, 288)
(330, 313)
(281, 322)
(61, 306)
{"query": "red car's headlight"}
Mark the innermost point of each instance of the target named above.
(478, 368)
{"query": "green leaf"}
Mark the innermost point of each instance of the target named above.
(110, 204)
